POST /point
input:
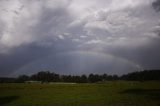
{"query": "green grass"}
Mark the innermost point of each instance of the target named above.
(118, 93)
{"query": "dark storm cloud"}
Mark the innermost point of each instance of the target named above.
(156, 5)
(21, 56)
(26, 54)
(73, 36)
(145, 56)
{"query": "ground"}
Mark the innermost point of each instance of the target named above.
(115, 93)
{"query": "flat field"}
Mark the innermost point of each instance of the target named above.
(116, 93)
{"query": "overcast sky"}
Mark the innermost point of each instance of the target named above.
(79, 36)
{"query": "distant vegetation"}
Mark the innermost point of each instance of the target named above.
(46, 76)
(142, 75)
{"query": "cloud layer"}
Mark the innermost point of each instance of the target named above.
(38, 31)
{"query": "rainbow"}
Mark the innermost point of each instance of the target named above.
(105, 56)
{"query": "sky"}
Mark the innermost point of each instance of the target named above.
(79, 36)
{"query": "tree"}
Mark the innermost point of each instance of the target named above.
(104, 77)
(91, 78)
(23, 78)
(83, 79)
(94, 78)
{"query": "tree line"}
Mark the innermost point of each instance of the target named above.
(46, 76)
(145, 75)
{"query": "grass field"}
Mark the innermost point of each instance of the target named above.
(118, 93)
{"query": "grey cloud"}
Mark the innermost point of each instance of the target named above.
(146, 56)
(156, 5)
(21, 56)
